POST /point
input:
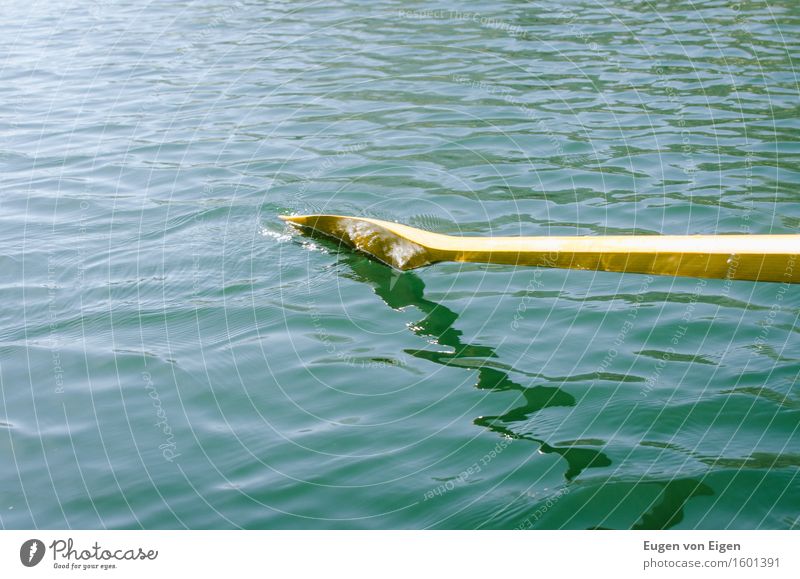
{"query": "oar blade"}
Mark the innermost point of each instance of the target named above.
(370, 236)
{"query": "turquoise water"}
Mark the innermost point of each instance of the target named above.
(172, 356)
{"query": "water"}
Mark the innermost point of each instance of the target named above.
(170, 356)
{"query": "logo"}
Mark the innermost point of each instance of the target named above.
(31, 552)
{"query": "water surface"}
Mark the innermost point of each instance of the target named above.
(170, 356)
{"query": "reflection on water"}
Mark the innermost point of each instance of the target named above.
(667, 510)
(756, 460)
(399, 290)
(404, 289)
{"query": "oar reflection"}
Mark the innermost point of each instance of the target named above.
(402, 289)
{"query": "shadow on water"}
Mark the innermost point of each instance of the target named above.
(667, 510)
(402, 289)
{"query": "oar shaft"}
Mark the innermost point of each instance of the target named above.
(711, 264)
(742, 257)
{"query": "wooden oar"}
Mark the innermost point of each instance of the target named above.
(744, 257)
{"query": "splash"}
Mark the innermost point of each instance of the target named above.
(280, 237)
(382, 244)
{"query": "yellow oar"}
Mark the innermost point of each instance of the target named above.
(746, 257)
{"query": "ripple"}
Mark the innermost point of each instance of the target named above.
(147, 150)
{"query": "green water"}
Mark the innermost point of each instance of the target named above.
(170, 356)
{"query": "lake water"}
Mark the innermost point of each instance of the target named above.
(171, 355)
